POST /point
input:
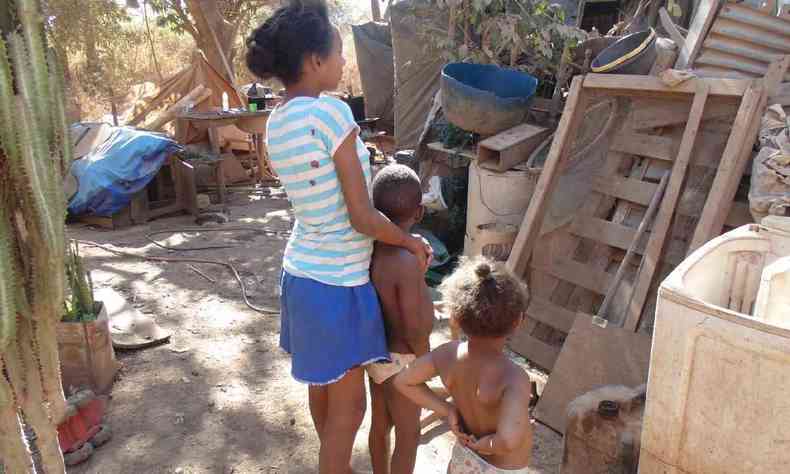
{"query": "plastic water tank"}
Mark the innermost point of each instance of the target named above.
(718, 397)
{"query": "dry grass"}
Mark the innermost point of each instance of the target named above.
(130, 71)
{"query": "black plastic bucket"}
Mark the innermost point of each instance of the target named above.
(631, 54)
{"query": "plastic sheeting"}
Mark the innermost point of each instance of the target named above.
(769, 192)
(117, 169)
(373, 44)
(417, 66)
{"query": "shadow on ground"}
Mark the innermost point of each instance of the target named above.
(218, 398)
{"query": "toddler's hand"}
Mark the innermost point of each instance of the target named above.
(454, 420)
(484, 445)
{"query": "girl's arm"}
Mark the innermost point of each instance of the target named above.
(365, 218)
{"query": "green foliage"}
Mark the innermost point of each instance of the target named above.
(80, 304)
(529, 35)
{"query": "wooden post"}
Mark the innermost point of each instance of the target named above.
(703, 19)
(560, 148)
(662, 225)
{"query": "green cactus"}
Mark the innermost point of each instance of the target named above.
(34, 153)
(80, 306)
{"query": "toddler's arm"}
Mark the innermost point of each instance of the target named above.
(411, 382)
(514, 425)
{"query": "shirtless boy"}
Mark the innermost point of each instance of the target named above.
(490, 409)
(408, 318)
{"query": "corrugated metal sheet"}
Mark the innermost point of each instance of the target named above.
(742, 42)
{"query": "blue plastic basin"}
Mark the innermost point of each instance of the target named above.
(484, 98)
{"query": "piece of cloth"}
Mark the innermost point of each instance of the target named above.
(328, 329)
(302, 137)
(380, 372)
(466, 461)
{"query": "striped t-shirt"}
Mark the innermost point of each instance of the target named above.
(302, 136)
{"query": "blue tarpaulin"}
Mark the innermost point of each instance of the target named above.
(117, 169)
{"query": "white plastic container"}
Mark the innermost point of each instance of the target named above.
(495, 202)
(718, 397)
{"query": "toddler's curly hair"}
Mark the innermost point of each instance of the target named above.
(484, 298)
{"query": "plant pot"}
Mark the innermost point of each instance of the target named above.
(87, 359)
(631, 54)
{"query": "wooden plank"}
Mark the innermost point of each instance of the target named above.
(139, 207)
(703, 19)
(661, 226)
(591, 357)
(650, 114)
(736, 155)
(722, 192)
(651, 146)
(186, 186)
(511, 147)
(629, 189)
(466, 153)
(599, 230)
(578, 273)
(569, 125)
(543, 310)
(533, 349)
(648, 86)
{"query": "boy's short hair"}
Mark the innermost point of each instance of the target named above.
(397, 192)
(484, 298)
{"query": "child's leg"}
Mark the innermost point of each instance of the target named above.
(318, 396)
(345, 409)
(406, 418)
(380, 427)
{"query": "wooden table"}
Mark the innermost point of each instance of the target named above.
(250, 122)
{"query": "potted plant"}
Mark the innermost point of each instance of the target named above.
(87, 358)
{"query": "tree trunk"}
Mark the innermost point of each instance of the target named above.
(92, 64)
(375, 8)
(215, 35)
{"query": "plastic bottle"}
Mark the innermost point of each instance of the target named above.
(225, 104)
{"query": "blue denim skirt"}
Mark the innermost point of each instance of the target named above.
(329, 330)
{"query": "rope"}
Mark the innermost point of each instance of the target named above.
(263, 310)
(149, 237)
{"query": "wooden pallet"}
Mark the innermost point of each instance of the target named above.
(684, 130)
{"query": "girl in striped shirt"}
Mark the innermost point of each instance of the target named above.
(331, 322)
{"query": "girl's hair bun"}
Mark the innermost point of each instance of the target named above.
(483, 270)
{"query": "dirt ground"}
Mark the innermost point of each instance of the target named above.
(218, 398)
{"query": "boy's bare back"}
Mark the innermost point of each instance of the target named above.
(487, 388)
(405, 299)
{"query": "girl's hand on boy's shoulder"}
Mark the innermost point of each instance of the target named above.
(421, 249)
